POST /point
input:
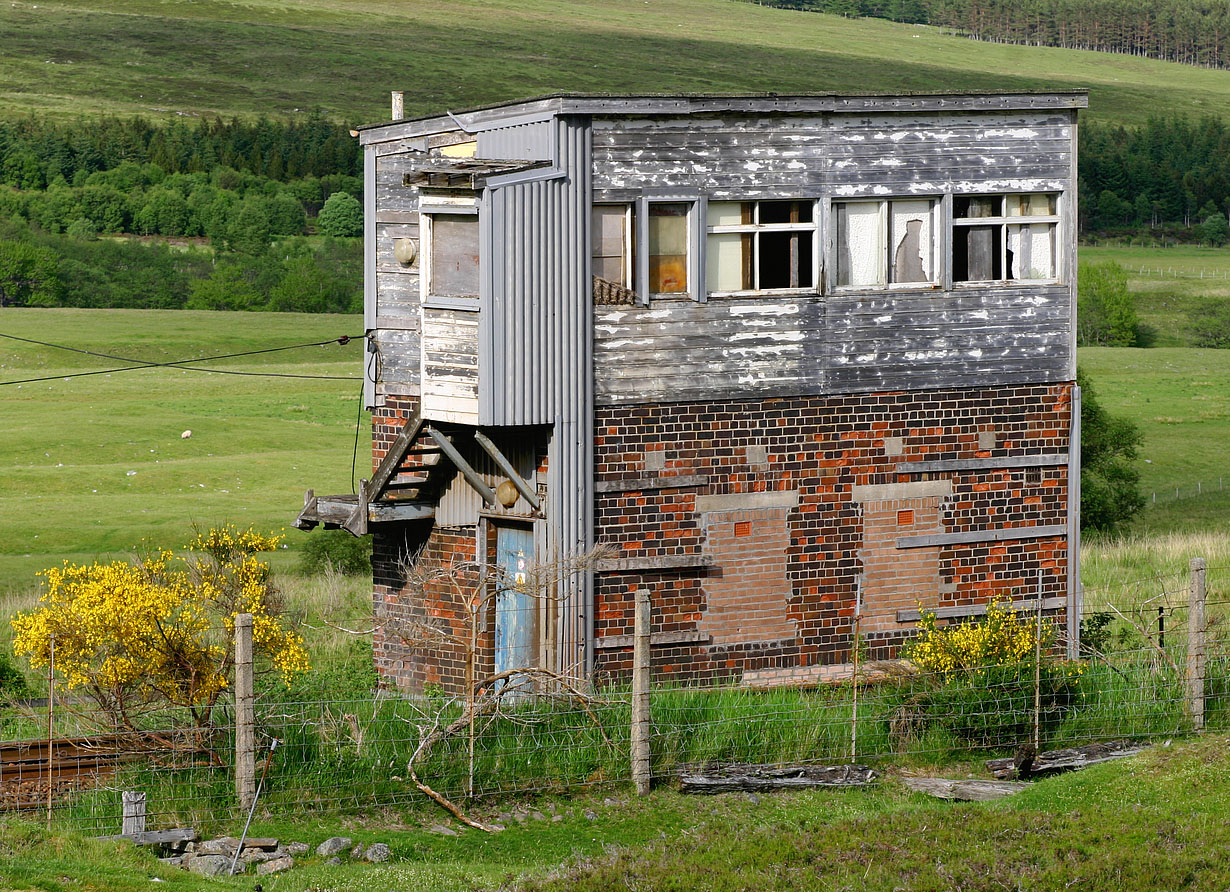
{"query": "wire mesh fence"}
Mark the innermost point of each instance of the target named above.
(1133, 680)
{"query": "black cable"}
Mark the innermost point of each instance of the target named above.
(178, 364)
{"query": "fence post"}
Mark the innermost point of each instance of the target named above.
(134, 812)
(1195, 645)
(245, 720)
(641, 681)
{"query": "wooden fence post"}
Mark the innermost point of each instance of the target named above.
(134, 812)
(245, 720)
(641, 680)
(1195, 645)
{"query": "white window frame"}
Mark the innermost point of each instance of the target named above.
(629, 270)
(1003, 221)
(755, 228)
(695, 258)
(449, 207)
(938, 246)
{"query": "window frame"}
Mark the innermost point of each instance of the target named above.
(1003, 221)
(939, 252)
(756, 228)
(630, 236)
(428, 210)
(694, 245)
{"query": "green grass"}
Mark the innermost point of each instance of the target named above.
(67, 490)
(1152, 822)
(1171, 287)
(1180, 398)
(164, 58)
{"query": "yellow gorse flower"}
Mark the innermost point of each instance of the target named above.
(1002, 637)
(159, 628)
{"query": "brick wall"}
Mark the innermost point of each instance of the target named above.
(785, 609)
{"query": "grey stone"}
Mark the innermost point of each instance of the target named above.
(210, 865)
(266, 843)
(297, 848)
(335, 861)
(555, 819)
(173, 861)
(590, 816)
(377, 853)
(537, 816)
(497, 828)
(189, 848)
(442, 830)
(520, 817)
(357, 852)
(334, 845)
(753, 798)
(223, 846)
(259, 856)
(277, 865)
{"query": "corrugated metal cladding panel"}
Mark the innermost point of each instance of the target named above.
(535, 360)
(521, 142)
(460, 503)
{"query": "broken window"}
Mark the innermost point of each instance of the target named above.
(612, 243)
(888, 242)
(760, 245)
(453, 255)
(668, 247)
(1004, 237)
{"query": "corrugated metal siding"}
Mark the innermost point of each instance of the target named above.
(521, 142)
(536, 349)
(460, 503)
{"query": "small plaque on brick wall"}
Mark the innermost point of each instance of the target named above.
(905, 518)
(743, 528)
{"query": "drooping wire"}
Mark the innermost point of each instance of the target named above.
(358, 421)
(178, 364)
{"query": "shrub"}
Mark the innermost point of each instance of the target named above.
(1106, 315)
(980, 679)
(336, 549)
(342, 216)
(1210, 326)
(159, 630)
(1110, 493)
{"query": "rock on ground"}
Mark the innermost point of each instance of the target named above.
(210, 865)
(275, 866)
(377, 852)
(332, 846)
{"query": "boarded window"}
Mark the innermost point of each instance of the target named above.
(885, 242)
(760, 245)
(668, 247)
(1005, 237)
(612, 243)
(454, 255)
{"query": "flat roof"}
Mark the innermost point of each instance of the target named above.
(750, 103)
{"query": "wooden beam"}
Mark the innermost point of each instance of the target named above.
(982, 464)
(158, 837)
(654, 482)
(471, 476)
(1003, 534)
(614, 642)
(356, 523)
(655, 562)
(393, 458)
(505, 465)
(393, 512)
(913, 614)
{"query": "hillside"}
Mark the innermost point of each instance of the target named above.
(163, 58)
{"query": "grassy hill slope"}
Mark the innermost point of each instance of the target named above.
(95, 464)
(279, 57)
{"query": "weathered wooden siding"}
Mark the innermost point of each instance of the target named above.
(450, 365)
(393, 309)
(752, 156)
(845, 340)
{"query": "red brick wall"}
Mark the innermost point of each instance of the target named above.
(820, 448)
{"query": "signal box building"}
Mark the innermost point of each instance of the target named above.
(792, 358)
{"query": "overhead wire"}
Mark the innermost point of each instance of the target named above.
(182, 364)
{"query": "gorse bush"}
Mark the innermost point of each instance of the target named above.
(157, 631)
(1002, 637)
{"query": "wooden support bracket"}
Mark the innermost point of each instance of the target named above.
(468, 472)
(527, 491)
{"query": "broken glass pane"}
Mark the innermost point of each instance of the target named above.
(860, 244)
(454, 255)
(911, 240)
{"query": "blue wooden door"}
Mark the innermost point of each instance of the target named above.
(516, 610)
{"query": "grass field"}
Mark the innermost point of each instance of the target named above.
(93, 465)
(163, 58)
(1148, 823)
